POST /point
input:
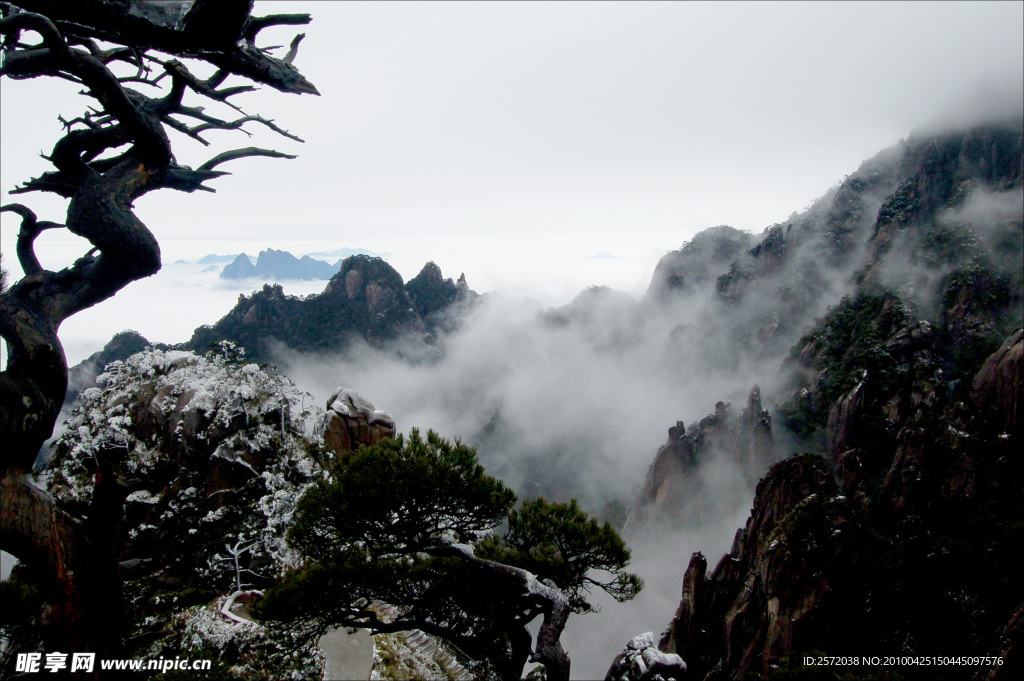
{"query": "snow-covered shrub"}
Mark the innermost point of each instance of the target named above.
(211, 454)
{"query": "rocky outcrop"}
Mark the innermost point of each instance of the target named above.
(351, 421)
(697, 263)
(430, 291)
(373, 297)
(998, 387)
(366, 299)
(765, 597)
(208, 448)
(741, 439)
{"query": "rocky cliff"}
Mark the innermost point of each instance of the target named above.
(674, 488)
(874, 548)
(893, 532)
(932, 218)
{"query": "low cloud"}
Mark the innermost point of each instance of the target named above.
(574, 402)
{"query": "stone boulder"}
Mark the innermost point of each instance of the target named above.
(642, 661)
(352, 420)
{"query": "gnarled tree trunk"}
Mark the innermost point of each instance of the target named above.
(79, 564)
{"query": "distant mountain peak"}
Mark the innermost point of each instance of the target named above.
(273, 264)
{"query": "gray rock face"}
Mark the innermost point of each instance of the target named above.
(698, 262)
(843, 416)
(762, 598)
(998, 385)
(352, 420)
(744, 439)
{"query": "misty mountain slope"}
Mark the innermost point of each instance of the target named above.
(906, 393)
(951, 256)
(905, 218)
(699, 261)
(876, 546)
(759, 297)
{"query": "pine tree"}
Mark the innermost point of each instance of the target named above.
(409, 523)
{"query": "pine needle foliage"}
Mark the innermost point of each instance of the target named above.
(400, 536)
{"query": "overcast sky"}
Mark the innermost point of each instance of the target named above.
(517, 141)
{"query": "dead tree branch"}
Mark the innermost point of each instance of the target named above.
(30, 229)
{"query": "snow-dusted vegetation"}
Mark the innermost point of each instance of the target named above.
(210, 454)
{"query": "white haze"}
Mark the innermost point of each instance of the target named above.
(585, 393)
(584, 404)
(562, 391)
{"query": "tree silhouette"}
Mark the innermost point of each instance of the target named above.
(124, 54)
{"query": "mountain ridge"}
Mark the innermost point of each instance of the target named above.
(904, 396)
